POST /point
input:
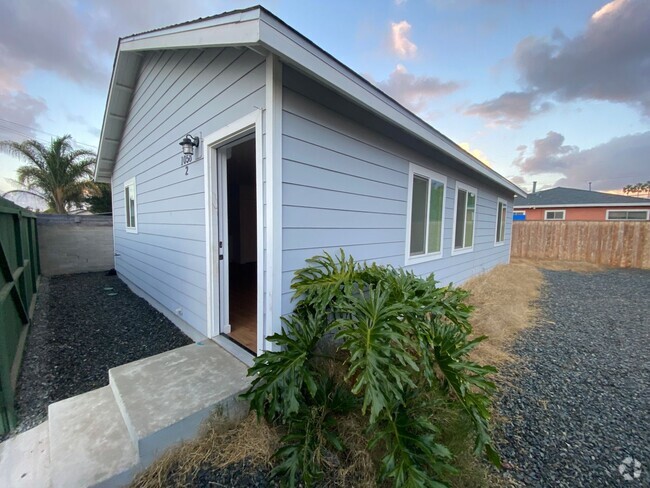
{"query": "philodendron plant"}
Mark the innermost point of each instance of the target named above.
(379, 343)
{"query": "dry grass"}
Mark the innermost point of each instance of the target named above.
(219, 444)
(505, 304)
(577, 266)
(505, 300)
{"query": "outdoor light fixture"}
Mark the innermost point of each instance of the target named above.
(189, 143)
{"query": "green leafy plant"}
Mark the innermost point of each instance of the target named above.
(381, 343)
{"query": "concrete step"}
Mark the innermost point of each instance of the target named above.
(164, 398)
(89, 442)
(25, 459)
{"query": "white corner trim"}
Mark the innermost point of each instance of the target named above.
(496, 230)
(131, 183)
(416, 169)
(463, 250)
(251, 121)
(273, 173)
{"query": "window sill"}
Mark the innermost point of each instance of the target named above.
(132, 230)
(463, 250)
(497, 243)
(422, 259)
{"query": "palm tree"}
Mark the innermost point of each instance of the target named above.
(62, 174)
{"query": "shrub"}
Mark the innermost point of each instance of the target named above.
(384, 345)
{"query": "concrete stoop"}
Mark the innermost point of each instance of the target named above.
(104, 437)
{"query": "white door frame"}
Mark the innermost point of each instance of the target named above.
(216, 198)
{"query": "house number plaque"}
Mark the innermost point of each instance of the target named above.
(186, 159)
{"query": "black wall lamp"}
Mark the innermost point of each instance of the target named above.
(189, 143)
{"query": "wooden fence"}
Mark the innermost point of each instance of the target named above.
(19, 272)
(615, 244)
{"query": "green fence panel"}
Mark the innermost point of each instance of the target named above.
(19, 271)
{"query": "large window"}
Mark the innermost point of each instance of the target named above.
(502, 211)
(554, 215)
(425, 214)
(465, 217)
(130, 204)
(627, 215)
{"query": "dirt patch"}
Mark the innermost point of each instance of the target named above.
(505, 300)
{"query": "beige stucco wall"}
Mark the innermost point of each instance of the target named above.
(75, 243)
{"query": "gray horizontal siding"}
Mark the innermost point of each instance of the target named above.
(178, 92)
(345, 186)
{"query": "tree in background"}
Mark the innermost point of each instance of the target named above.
(637, 189)
(100, 199)
(59, 172)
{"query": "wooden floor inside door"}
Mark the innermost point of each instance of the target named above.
(243, 304)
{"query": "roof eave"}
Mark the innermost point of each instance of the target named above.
(577, 205)
(258, 27)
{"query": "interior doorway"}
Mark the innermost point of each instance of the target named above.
(238, 241)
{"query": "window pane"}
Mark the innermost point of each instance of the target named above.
(501, 221)
(637, 215)
(627, 215)
(435, 216)
(418, 215)
(132, 206)
(128, 206)
(469, 224)
(461, 206)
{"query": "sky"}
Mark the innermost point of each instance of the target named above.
(552, 91)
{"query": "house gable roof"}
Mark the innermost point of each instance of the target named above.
(260, 30)
(573, 197)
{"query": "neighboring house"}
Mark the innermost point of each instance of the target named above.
(573, 204)
(296, 154)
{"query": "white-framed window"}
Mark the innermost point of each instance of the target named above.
(464, 218)
(502, 212)
(425, 214)
(554, 214)
(635, 214)
(130, 206)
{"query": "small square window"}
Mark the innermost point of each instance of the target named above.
(554, 215)
(131, 207)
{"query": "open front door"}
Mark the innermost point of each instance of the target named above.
(236, 223)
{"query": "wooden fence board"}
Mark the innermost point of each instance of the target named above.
(614, 244)
(19, 271)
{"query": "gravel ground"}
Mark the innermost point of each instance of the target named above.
(579, 401)
(80, 330)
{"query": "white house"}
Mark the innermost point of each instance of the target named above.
(293, 153)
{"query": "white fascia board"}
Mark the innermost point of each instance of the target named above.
(233, 33)
(281, 40)
(590, 205)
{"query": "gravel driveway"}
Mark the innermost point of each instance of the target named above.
(83, 325)
(578, 410)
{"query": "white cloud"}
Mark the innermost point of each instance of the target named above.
(608, 166)
(477, 153)
(400, 43)
(415, 92)
(607, 9)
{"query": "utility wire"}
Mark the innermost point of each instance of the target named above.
(45, 132)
